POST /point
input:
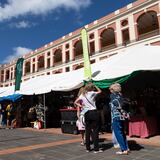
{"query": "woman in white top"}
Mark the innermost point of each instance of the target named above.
(92, 116)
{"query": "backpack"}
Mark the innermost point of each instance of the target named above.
(123, 103)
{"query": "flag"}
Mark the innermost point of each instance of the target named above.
(19, 71)
(87, 65)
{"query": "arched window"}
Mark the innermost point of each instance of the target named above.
(27, 67)
(1, 75)
(78, 50)
(58, 56)
(147, 24)
(41, 62)
(107, 39)
(78, 67)
(7, 74)
(56, 72)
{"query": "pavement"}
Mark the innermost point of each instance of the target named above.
(31, 144)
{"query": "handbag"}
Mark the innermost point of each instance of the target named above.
(81, 121)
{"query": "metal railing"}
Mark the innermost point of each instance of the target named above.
(79, 56)
(148, 34)
(108, 47)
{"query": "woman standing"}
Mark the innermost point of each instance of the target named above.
(92, 116)
(118, 116)
(80, 116)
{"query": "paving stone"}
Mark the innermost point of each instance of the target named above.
(19, 138)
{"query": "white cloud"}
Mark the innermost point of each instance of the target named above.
(17, 52)
(22, 24)
(16, 8)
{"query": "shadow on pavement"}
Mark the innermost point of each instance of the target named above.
(134, 146)
(106, 146)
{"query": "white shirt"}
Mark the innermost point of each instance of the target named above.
(88, 100)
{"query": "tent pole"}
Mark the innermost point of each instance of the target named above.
(44, 104)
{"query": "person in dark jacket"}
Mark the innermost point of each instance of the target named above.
(118, 117)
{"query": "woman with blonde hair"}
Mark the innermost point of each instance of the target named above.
(80, 116)
(118, 117)
(92, 116)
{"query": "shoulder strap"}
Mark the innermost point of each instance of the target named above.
(88, 100)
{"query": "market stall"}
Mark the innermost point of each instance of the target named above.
(143, 126)
(126, 66)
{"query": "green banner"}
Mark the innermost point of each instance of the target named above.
(19, 71)
(87, 65)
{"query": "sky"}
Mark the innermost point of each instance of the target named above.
(26, 25)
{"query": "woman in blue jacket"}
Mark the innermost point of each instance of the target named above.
(118, 117)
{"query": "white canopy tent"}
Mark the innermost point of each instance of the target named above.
(122, 64)
(58, 82)
(129, 60)
(44, 84)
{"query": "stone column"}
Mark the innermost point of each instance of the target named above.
(31, 65)
(71, 53)
(45, 59)
(132, 30)
(36, 64)
(51, 57)
(118, 33)
(63, 54)
(96, 41)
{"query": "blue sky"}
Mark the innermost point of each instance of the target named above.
(29, 24)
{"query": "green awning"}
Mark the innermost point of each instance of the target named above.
(107, 82)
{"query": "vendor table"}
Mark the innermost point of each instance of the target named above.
(142, 126)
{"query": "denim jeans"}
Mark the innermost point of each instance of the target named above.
(118, 128)
(114, 139)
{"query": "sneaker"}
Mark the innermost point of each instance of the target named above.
(99, 151)
(122, 153)
(82, 143)
(116, 146)
(87, 151)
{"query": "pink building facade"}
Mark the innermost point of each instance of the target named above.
(137, 23)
